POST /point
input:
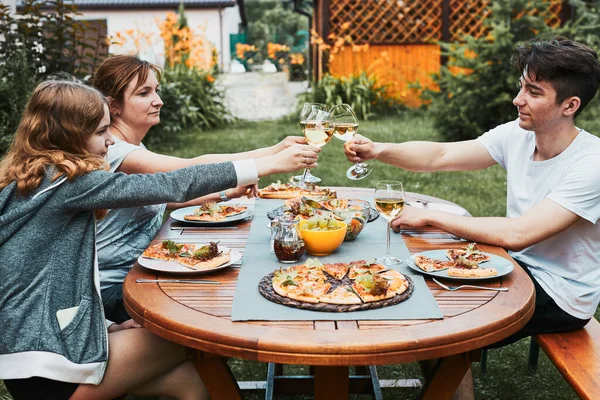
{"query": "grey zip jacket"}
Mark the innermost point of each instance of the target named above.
(51, 316)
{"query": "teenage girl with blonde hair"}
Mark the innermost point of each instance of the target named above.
(54, 183)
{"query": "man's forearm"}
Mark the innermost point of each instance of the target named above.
(411, 156)
(497, 231)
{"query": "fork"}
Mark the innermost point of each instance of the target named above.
(453, 288)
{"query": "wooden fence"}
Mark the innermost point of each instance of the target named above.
(402, 37)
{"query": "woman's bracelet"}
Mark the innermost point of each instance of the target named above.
(223, 196)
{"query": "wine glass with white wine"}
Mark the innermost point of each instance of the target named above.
(389, 201)
(316, 125)
(307, 111)
(345, 126)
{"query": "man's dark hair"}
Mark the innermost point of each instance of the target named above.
(570, 67)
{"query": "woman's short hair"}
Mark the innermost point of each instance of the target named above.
(570, 67)
(116, 72)
(58, 119)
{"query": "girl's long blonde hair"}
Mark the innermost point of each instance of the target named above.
(60, 115)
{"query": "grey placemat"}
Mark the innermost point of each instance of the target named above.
(249, 304)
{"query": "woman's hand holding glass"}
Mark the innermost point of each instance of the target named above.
(345, 126)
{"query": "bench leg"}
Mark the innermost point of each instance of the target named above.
(534, 354)
(483, 362)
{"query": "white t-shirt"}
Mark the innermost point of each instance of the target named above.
(567, 265)
(126, 232)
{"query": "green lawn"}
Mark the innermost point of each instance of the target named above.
(481, 192)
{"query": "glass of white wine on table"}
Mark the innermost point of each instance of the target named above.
(389, 201)
(316, 125)
(308, 110)
(345, 126)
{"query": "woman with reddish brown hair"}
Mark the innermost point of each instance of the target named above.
(132, 87)
(55, 340)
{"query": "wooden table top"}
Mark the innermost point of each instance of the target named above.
(198, 316)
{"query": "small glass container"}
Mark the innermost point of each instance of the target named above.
(287, 241)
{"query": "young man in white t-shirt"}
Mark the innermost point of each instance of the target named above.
(553, 183)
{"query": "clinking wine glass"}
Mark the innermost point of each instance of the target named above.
(316, 125)
(389, 201)
(345, 126)
(305, 114)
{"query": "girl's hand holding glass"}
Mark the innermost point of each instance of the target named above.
(316, 126)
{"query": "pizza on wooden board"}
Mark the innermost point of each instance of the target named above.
(167, 250)
(309, 283)
(212, 212)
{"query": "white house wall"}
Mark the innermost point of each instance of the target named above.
(219, 24)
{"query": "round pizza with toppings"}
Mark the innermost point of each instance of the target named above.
(329, 287)
(212, 212)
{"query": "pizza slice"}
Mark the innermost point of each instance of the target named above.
(431, 265)
(341, 295)
(471, 253)
(230, 210)
(397, 281)
(167, 250)
(359, 269)
(211, 212)
(337, 270)
(309, 292)
(206, 257)
(284, 280)
(372, 288)
(472, 273)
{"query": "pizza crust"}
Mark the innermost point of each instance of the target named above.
(340, 295)
(472, 273)
(204, 265)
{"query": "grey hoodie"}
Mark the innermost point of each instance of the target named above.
(48, 264)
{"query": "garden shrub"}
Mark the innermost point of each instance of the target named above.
(43, 39)
(191, 99)
(361, 91)
(479, 81)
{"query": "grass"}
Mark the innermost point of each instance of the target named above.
(483, 193)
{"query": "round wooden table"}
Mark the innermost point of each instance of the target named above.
(198, 316)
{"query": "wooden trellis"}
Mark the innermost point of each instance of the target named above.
(387, 21)
(413, 21)
(406, 31)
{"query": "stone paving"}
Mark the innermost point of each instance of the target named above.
(260, 96)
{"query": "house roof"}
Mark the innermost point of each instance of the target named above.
(135, 4)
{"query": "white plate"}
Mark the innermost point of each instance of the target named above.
(440, 207)
(501, 264)
(173, 267)
(180, 213)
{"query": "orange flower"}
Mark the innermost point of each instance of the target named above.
(210, 78)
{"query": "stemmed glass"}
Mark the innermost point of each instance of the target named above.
(308, 110)
(316, 125)
(345, 126)
(389, 201)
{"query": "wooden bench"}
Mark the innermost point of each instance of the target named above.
(576, 355)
